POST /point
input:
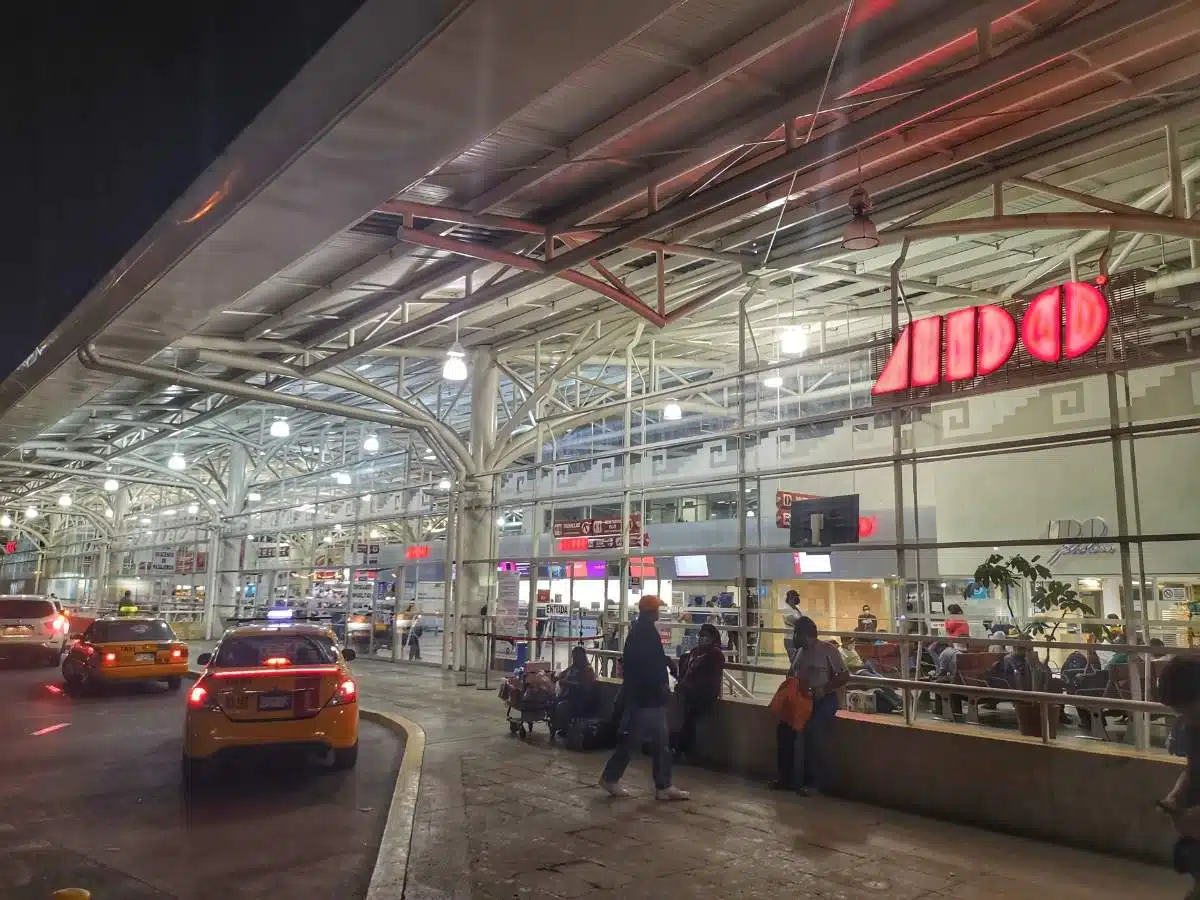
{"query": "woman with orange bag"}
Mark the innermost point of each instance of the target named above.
(819, 670)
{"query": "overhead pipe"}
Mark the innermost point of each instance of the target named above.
(185, 482)
(419, 418)
(90, 358)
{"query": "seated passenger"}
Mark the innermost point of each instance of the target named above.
(578, 697)
(699, 686)
(850, 656)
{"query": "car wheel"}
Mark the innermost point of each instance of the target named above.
(174, 682)
(345, 757)
(193, 771)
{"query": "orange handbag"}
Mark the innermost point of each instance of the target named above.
(791, 704)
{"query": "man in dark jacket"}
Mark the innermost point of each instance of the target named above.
(645, 692)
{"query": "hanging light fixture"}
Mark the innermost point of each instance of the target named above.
(455, 366)
(193, 508)
(112, 485)
(444, 484)
(773, 379)
(253, 496)
(31, 512)
(371, 444)
(6, 521)
(793, 341)
(176, 462)
(861, 233)
(108, 513)
(64, 500)
(342, 478)
(672, 412)
(280, 428)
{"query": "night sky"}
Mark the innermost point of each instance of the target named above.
(110, 110)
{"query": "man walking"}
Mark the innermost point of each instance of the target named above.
(644, 665)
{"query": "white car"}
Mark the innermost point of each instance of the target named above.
(32, 627)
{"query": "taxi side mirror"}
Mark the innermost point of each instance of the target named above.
(348, 654)
(203, 659)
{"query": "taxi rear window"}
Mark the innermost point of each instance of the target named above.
(255, 650)
(109, 632)
(25, 608)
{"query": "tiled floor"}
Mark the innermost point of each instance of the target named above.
(502, 818)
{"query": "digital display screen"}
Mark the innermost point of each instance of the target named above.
(691, 567)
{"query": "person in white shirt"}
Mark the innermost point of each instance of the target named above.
(819, 668)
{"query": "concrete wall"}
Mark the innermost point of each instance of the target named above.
(1098, 799)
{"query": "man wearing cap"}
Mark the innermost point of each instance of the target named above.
(645, 691)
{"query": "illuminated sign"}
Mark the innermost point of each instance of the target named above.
(1063, 322)
(417, 551)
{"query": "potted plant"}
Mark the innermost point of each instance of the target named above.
(1052, 601)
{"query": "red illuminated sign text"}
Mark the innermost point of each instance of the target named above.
(417, 551)
(1064, 322)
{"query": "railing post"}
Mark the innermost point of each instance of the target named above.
(1044, 713)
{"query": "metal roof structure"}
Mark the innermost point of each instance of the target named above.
(553, 184)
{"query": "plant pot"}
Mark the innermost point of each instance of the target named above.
(1029, 720)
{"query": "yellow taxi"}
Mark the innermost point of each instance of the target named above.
(275, 685)
(126, 649)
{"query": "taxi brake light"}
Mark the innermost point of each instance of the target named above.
(346, 692)
(277, 661)
(60, 623)
(110, 658)
(198, 697)
(177, 653)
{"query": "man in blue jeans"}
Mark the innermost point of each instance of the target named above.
(821, 671)
(645, 690)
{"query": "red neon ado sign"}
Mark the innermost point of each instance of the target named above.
(1063, 322)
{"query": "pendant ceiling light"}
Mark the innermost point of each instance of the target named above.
(455, 366)
(31, 512)
(793, 341)
(64, 500)
(112, 485)
(444, 484)
(176, 462)
(861, 233)
(280, 428)
(6, 521)
(672, 412)
(773, 380)
(371, 444)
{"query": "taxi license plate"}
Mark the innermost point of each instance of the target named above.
(17, 631)
(274, 702)
(143, 657)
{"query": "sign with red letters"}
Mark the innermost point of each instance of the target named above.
(1064, 322)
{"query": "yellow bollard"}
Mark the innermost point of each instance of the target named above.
(72, 894)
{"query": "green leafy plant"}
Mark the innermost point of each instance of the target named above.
(1047, 596)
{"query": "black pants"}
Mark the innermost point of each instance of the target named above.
(693, 709)
(414, 646)
(815, 737)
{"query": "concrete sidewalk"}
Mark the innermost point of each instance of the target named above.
(501, 818)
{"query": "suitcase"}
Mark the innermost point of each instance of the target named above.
(591, 734)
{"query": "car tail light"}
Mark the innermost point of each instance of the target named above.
(179, 653)
(110, 658)
(62, 623)
(200, 698)
(347, 692)
(277, 661)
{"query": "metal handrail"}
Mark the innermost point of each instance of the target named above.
(911, 689)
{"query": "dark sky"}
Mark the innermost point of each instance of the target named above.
(110, 110)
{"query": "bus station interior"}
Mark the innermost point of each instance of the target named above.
(490, 378)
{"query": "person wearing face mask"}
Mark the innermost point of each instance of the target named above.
(699, 687)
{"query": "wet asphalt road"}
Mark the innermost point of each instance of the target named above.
(95, 801)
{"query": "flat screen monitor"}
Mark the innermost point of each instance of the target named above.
(825, 521)
(691, 567)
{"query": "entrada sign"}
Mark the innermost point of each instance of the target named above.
(1063, 322)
